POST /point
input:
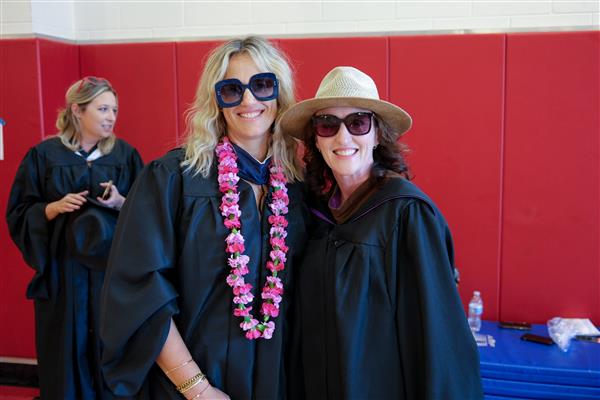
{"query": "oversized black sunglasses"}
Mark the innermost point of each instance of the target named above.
(263, 86)
(358, 123)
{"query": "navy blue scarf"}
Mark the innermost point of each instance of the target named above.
(250, 169)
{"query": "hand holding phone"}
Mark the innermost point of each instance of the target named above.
(530, 337)
(106, 193)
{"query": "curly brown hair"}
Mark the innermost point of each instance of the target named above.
(389, 155)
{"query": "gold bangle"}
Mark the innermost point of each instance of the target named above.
(190, 383)
(190, 388)
(179, 366)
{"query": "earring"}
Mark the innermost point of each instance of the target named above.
(374, 147)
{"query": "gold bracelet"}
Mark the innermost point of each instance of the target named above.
(191, 387)
(190, 383)
(179, 366)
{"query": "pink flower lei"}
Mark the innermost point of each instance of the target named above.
(238, 262)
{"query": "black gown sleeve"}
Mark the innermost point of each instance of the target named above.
(135, 165)
(438, 353)
(27, 223)
(138, 298)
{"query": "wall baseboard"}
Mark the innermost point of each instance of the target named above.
(18, 374)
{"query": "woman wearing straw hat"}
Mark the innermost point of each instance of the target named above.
(380, 316)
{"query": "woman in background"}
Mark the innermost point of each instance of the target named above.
(208, 228)
(380, 316)
(61, 213)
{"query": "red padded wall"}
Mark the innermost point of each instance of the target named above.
(313, 58)
(551, 264)
(144, 76)
(505, 140)
(453, 88)
(20, 108)
(59, 68)
(191, 57)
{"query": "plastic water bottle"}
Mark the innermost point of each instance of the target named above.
(475, 311)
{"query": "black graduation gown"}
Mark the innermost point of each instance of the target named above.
(68, 255)
(168, 260)
(380, 316)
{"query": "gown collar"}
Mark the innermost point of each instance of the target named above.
(91, 155)
(343, 212)
(250, 169)
(391, 187)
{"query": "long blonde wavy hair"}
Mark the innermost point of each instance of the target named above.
(82, 93)
(205, 122)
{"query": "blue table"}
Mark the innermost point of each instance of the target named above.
(516, 369)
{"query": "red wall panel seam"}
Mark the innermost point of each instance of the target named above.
(176, 93)
(79, 59)
(501, 170)
(39, 88)
(387, 68)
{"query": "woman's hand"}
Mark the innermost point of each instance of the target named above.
(71, 202)
(206, 392)
(177, 363)
(213, 393)
(114, 200)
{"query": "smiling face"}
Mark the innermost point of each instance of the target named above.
(349, 157)
(98, 119)
(252, 119)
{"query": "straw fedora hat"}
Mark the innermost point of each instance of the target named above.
(345, 86)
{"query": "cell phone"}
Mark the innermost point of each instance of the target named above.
(522, 326)
(106, 193)
(589, 338)
(530, 337)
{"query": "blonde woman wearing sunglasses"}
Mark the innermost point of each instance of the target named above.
(380, 316)
(62, 213)
(196, 298)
